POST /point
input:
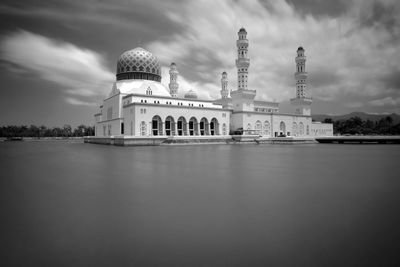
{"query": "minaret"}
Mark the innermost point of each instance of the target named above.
(243, 98)
(224, 85)
(243, 60)
(302, 102)
(173, 77)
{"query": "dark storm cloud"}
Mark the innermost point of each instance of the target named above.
(392, 80)
(380, 14)
(125, 24)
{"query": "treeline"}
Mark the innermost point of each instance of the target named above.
(43, 131)
(355, 125)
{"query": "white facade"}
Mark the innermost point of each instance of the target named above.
(139, 105)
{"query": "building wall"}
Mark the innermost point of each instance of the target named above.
(321, 129)
(138, 114)
(270, 124)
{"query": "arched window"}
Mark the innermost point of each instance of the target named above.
(294, 129)
(214, 127)
(282, 127)
(301, 129)
(170, 126)
(266, 128)
(258, 127)
(182, 126)
(248, 127)
(193, 126)
(204, 127)
(148, 91)
(156, 125)
(143, 128)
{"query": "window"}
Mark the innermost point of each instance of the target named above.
(266, 127)
(143, 128)
(148, 91)
(224, 132)
(258, 127)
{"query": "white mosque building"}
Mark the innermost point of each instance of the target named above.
(140, 106)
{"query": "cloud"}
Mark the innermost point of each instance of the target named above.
(202, 90)
(79, 72)
(350, 52)
(387, 101)
(77, 102)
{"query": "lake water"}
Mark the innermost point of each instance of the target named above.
(75, 204)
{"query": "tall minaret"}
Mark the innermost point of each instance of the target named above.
(173, 77)
(302, 102)
(243, 60)
(301, 74)
(224, 85)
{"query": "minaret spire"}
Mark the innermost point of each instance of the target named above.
(301, 74)
(173, 83)
(224, 85)
(243, 60)
(301, 102)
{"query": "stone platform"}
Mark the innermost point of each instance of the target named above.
(195, 140)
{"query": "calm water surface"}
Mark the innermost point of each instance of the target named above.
(74, 204)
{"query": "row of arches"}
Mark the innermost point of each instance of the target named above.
(181, 126)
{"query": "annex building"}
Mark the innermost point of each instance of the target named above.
(140, 106)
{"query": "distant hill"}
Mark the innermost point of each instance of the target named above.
(364, 116)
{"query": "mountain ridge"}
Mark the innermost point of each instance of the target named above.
(364, 116)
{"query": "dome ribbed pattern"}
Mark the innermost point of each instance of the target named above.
(138, 60)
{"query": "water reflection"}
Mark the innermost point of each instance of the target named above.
(81, 204)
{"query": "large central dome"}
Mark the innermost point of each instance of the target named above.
(138, 64)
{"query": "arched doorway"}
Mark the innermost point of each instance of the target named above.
(204, 126)
(193, 126)
(214, 127)
(182, 126)
(156, 126)
(282, 128)
(169, 126)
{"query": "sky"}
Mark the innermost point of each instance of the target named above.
(58, 57)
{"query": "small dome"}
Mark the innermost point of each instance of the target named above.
(242, 30)
(300, 48)
(191, 94)
(138, 64)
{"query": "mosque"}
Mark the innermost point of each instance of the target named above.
(140, 106)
